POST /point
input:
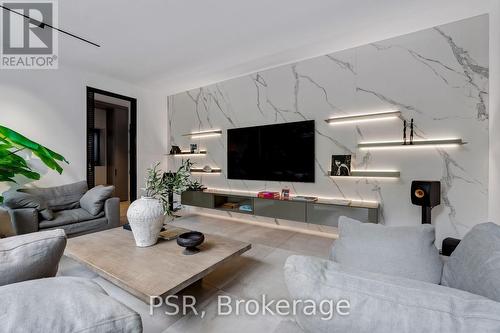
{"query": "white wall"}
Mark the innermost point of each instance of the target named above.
(494, 183)
(49, 107)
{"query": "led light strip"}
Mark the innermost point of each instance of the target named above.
(419, 143)
(204, 134)
(370, 174)
(213, 171)
(188, 153)
(364, 117)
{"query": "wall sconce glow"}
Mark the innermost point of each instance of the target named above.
(188, 153)
(416, 144)
(213, 171)
(389, 174)
(364, 117)
(204, 134)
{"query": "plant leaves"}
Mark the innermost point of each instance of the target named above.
(11, 164)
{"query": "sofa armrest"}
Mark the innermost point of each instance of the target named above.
(31, 256)
(383, 303)
(112, 212)
(23, 220)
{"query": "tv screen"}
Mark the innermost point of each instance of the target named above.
(282, 152)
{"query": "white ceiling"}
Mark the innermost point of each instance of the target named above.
(176, 45)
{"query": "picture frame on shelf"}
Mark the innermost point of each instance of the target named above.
(341, 165)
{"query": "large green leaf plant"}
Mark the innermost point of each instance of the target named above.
(12, 164)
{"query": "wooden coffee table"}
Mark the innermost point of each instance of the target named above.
(158, 270)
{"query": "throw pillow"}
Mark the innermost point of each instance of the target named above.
(400, 251)
(14, 200)
(31, 256)
(93, 200)
(47, 214)
(474, 266)
(64, 304)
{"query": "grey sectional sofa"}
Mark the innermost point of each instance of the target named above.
(33, 300)
(73, 208)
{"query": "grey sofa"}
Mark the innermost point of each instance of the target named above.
(37, 209)
(387, 294)
(33, 300)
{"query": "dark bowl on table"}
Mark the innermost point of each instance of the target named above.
(190, 240)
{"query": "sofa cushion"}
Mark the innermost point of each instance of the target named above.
(93, 200)
(60, 197)
(84, 227)
(14, 199)
(63, 304)
(401, 251)
(474, 266)
(70, 216)
(30, 256)
(382, 303)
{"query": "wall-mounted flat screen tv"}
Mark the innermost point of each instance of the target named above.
(280, 152)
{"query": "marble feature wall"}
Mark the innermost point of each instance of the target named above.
(438, 77)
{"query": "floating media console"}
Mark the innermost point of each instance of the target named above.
(323, 211)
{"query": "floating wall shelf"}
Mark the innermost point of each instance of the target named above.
(204, 134)
(370, 174)
(364, 117)
(188, 153)
(399, 144)
(200, 170)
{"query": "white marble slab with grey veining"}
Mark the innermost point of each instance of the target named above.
(439, 77)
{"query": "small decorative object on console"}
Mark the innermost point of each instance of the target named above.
(207, 169)
(246, 208)
(411, 131)
(194, 148)
(404, 132)
(172, 233)
(268, 195)
(175, 150)
(231, 205)
(285, 194)
(190, 240)
(341, 165)
(304, 198)
(195, 185)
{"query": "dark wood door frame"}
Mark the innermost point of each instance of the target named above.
(132, 138)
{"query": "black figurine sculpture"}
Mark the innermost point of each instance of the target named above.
(411, 132)
(404, 132)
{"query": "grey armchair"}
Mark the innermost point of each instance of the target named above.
(33, 300)
(37, 209)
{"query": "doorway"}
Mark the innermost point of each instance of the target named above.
(111, 142)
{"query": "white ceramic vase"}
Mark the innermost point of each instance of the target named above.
(145, 216)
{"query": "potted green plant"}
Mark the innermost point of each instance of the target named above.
(147, 214)
(13, 165)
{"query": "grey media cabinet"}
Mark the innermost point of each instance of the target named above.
(324, 212)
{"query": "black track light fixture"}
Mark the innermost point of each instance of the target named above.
(44, 25)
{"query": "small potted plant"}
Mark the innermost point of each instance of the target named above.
(147, 214)
(195, 186)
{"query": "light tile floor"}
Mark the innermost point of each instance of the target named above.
(257, 272)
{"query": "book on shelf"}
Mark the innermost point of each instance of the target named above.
(304, 198)
(268, 195)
